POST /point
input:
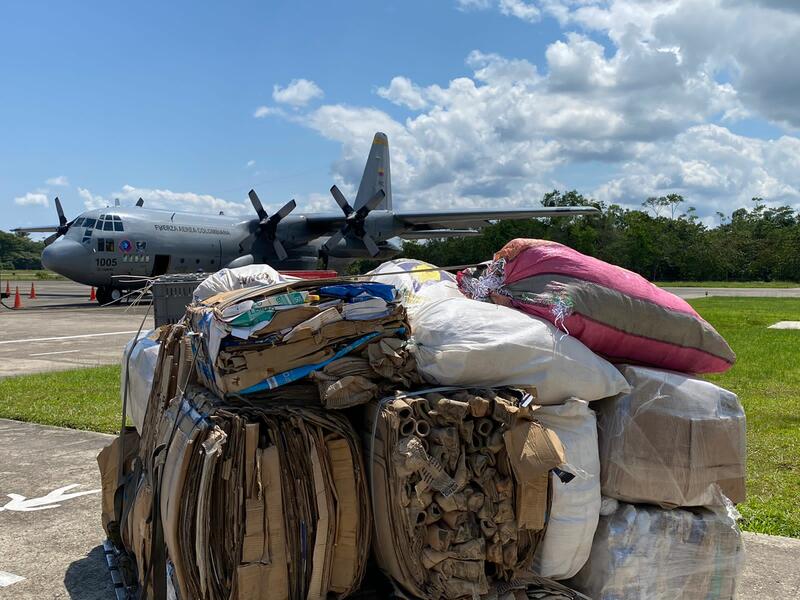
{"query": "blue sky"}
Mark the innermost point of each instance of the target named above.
(486, 102)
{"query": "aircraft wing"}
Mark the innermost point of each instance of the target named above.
(420, 221)
(42, 229)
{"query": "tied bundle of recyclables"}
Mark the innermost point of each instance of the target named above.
(467, 436)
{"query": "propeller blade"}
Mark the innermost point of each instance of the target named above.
(286, 209)
(140, 202)
(62, 220)
(51, 238)
(341, 201)
(372, 247)
(262, 214)
(280, 251)
(334, 240)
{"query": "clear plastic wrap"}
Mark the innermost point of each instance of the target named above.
(673, 440)
(643, 552)
(141, 353)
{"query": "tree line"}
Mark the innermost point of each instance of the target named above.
(661, 241)
(18, 251)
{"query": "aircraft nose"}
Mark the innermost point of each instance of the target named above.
(66, 258)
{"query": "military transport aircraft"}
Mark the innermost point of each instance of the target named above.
(101, 245)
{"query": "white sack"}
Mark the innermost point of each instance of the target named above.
(576, 505)
(459, 341)
(226, 280)
(143, 357)
(643, 552)
(416, 282)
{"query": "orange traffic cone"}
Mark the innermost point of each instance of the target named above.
(92, 295)
(32, 295)
(17, 299)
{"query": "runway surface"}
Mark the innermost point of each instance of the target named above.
(62, 329)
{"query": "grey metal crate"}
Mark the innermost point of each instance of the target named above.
(172, 294)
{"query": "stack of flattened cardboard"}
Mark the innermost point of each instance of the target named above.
(460, 488)
(261, 338)
(244, 500)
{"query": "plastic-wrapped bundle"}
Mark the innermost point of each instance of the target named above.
(615, 312)
(416, 281)
(459, 341)
(642, 552)
(460, 489)
(576, 504)
(673, 440)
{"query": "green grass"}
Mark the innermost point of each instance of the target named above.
(729, 284)
(766, 378)
(30, 275)
(80, 399)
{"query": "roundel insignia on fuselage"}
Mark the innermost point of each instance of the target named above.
(125, 246)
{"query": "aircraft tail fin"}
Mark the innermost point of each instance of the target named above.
(377, 175)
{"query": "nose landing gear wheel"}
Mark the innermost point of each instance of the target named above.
(107, 295)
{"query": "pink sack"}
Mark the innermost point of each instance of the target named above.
(615, 312)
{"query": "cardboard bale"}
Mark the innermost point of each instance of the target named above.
(643, 551)
(454, 512)
(674, 440)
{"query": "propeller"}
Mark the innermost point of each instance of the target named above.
(268, 226)
(354, 222)
(63, 224)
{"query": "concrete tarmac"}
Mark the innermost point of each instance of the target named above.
(62, 329)
(57, 552)
(699, 292)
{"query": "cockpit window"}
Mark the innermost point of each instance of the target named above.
(108, 226)
(99, 224)
(89, 223)
(78, 222)
(117, 224)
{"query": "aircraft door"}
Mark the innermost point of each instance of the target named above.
(160, 264)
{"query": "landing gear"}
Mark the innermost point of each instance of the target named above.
(107, 295)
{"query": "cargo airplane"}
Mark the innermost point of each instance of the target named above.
(101, 247)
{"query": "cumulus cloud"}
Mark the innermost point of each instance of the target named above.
(185, 201)
(527, 11)
(90, 200)
(299, 92)
(403, 92)
(250, 163)
(61, 181)
(32, 199)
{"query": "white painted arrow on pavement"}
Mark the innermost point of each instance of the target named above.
(22, 504)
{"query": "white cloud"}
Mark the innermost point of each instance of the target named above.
(298, 93)
(61, 180)
(184, 201)
(91, 201)
(715, 169)
(250, 163)
(32, 199)
(263, 111)
(527, 11)
(473, 4)
(403, 92)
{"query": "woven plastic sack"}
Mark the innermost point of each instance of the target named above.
(615, 312)
(458, 341)
(576, 504)
(416, 281)
(142, 355)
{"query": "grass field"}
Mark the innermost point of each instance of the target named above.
(38, 275)
(729, 284)
(766, 378)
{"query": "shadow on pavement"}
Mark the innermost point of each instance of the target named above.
(88, 578)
